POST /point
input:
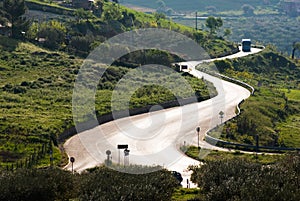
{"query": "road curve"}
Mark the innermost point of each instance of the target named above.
(162, 132)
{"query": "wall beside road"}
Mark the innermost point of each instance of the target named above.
(245, 147)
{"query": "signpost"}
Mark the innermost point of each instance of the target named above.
(122, 146)
(221, 113)
(72, 160)
(126, 155)
(108, 162)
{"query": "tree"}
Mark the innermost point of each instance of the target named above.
(13, 10)
(98, 8)
(159, 16)
(248, 9)
(107, 184)
(227, 32)
(222, 66)
(112, 13)
(213, 24)
(54, 32)
(83, 14)
(238, 179)
(37, 184)
(296, 46)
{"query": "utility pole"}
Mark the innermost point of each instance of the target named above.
(196, 25)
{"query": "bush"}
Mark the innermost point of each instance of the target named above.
(36, 185)
(107, 184)
(98, 184)
(237, 179)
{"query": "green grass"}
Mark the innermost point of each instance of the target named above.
(184, 194)
(36, 87)
(292, 94)
(55, 5)
(260, 115)
(36, 97)
(212, 155)
(289, 131)
(269, 111)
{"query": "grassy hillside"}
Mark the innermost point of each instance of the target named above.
(37, 79)
(87, 30)
(272, 112)
(36, 99)
(201, 5)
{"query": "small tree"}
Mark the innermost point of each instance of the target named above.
(296, 46)
(159, 16)
(54, 32)
(227, 32)
(82, 14)
(112, 13)
(213, 24)
(12, 11)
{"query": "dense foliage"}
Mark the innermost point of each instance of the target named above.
(84, 30)
(11, 14)
(100, 184)
(238, 179)
(106, 184)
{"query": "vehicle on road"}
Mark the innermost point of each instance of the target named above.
(246, 45)
(177, 175)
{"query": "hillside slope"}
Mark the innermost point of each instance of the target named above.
(201, 5)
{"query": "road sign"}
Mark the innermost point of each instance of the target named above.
(72, 159)
(126, 152)
(122, 146)
(108, 152)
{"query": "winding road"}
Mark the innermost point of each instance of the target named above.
(155, 138)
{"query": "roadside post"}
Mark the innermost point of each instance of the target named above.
(72, 160)
(221, 113)
(198, 131)
(121, 146)
(256, 145)
(126, 156)
(108, 162)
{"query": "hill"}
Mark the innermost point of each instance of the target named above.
(272, 113)
(37, 78)
(202, 5)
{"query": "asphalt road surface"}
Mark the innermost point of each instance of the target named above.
(155, 138)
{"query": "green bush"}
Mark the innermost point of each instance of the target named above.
(237, 179)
